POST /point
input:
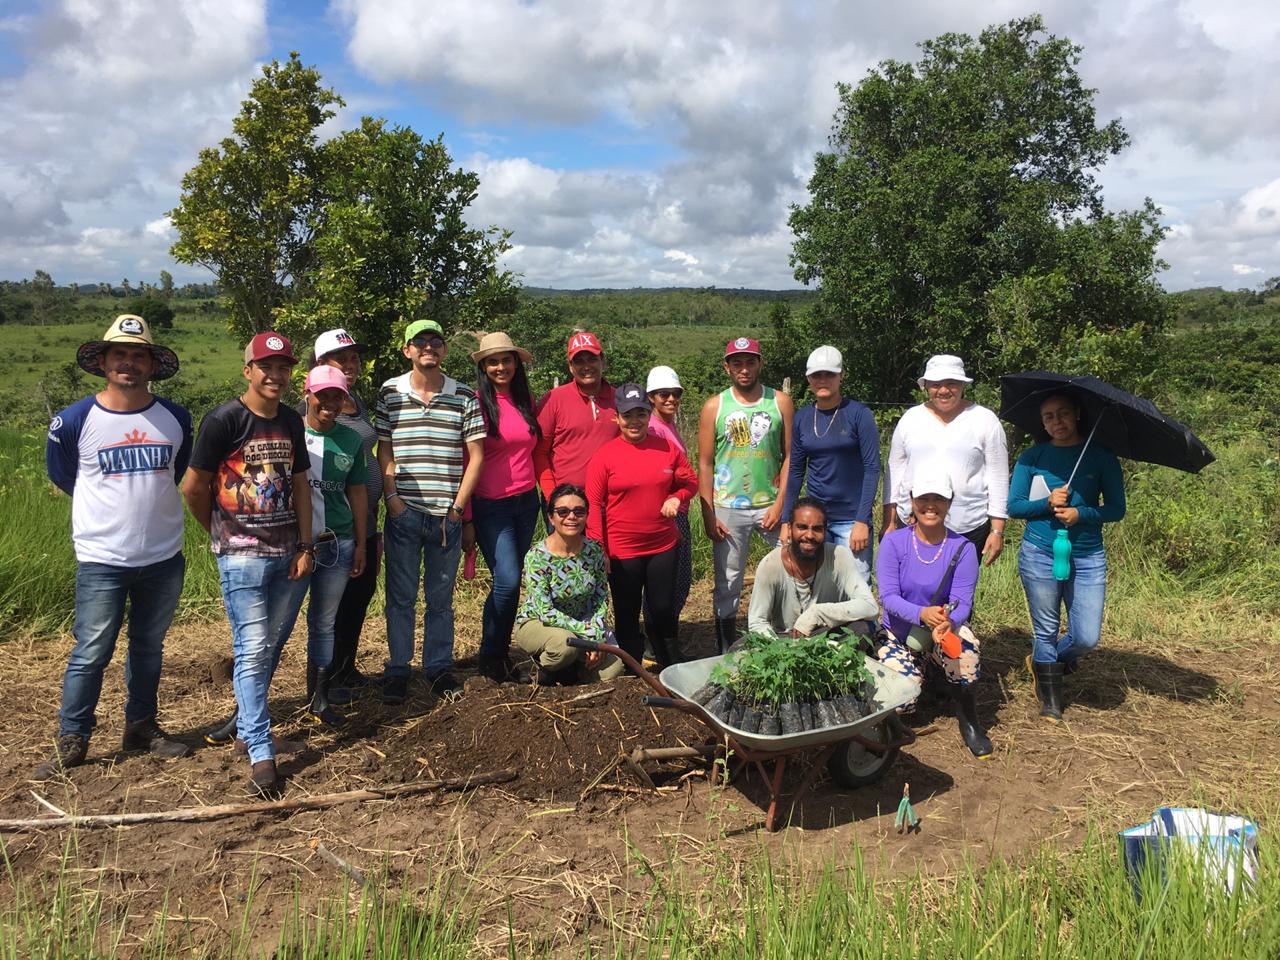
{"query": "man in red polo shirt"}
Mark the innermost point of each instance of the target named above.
(576, 418)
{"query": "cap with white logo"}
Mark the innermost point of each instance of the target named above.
(331, 341)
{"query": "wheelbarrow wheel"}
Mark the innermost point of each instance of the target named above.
(853, 765)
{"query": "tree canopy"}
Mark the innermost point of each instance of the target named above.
(958, 211)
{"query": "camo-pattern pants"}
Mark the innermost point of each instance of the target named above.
(900, 658)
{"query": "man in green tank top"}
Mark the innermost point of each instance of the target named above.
(744, 438)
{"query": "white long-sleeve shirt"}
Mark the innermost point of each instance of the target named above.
(971, 449)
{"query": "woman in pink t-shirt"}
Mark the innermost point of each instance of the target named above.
(504, 508)
(664, 390)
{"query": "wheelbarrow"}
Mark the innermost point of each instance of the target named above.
(856, 754)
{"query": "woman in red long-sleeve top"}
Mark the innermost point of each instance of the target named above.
(636, 484)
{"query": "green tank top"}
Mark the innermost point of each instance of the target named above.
(748, 451)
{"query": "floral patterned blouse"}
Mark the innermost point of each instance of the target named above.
(571, 593)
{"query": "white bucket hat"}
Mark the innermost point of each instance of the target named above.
(662, 378)
(941, 367)
(826, 359)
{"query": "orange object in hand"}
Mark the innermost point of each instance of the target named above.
(950, 644)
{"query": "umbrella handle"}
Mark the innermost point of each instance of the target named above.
(1086, 444)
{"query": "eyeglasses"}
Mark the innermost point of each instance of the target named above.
(421, 343)
(668, 394)
(563, 512)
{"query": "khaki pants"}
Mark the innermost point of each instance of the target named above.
(549, 646)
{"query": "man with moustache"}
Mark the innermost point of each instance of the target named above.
(744, 436)
(119, 455)
(264, 556)
(808, 585)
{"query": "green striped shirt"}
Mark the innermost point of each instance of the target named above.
(427, 439)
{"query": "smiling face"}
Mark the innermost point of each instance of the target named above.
(930, 510)
(426, 351)
(127, 366)
(1061, 420)
(323, 406)
(634, 425)
(808, 532)
(743, 369)
(587, 369)
(348, 361)
(666, 403)
(945, 396)
(569, 515)
(268, 378)
(500, 368)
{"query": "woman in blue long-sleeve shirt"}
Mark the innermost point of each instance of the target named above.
(1038, 494)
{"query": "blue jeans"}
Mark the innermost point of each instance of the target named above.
(262, 605)
(101, 591)
(504, 530)
(838, 532)
(1084, 594)
(414, 541)
(329, 579)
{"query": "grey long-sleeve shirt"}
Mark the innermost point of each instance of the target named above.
(780, 603)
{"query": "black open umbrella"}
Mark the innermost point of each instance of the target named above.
(1127, 425)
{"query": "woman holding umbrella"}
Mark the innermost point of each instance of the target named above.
(1062, 484)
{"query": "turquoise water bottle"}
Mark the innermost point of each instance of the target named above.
(1062, 556)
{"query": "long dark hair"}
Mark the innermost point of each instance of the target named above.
(521, 396)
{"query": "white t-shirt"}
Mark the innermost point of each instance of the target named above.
(121, 471)
(971, 449)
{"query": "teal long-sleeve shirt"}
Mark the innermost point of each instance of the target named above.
(1097, 492)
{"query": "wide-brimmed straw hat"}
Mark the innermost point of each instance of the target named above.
(492, 343)
(127, 329)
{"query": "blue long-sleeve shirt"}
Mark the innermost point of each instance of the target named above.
(1098, 479)
(838, 450)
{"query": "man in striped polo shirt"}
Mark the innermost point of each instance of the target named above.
(424, 421)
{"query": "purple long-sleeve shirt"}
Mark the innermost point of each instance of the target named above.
(907, 584)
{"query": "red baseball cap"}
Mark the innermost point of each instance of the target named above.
(742, 345)
(582, 340)
(269, 344)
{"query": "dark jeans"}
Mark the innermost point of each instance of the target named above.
(351, 613)
(101, 592)
(504, 530)
(978, 537)
(651, 578)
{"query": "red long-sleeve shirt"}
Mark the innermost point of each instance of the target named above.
(627, 483)
(574, 426)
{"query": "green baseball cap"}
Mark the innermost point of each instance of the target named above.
(420, 326)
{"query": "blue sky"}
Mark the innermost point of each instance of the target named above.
(625, 143)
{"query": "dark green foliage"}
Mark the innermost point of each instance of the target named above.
(958, 211)
(157, 313)
(794, 670)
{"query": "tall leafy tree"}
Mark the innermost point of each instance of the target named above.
(250, 206)
(958, 210)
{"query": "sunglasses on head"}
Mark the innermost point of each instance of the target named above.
(563, 512)
(435, 343)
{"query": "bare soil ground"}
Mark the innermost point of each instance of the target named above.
(559, 848)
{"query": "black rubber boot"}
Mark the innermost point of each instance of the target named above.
(1049, 689)
(223, 732)
(975, 739)
(499, 669)
(726, 633)
(318, 697)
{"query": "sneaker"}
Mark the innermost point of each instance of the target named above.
(395, 690)
(223, 732)
(264, 781)
(149, 736)
(70, 751)
(445, 686)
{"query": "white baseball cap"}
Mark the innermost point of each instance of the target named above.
(331, 341)
(826, 359)
(662, 378)
(943, 366)
(931, 479)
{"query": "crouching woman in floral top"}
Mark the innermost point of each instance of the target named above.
(566, 595)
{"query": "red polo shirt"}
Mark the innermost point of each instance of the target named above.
(627, 483)
(574, 426)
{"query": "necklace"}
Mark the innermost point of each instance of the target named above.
(829, 422)
(915, 542)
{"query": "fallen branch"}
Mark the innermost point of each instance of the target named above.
(591, 695)
(217, 812)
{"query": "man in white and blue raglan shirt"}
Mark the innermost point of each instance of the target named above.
(119, 455)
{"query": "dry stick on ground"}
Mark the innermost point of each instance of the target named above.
(192, 814)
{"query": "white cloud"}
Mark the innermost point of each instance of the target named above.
(679, 256)
(1243, 269)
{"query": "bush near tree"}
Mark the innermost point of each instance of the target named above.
(157, 313)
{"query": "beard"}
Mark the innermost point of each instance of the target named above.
(798, 551)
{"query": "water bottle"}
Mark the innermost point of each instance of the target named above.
(1062, 556)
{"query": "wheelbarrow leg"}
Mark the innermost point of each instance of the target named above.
(771, 822)
(817, 766)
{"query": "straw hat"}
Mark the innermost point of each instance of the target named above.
(492, 343)
(127, 329)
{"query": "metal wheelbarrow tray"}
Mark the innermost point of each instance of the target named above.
(856, 754)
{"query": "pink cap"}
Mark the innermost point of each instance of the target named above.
(325, 377)
(742, 345)
(582, 340)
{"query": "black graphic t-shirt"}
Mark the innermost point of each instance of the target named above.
(253, 460)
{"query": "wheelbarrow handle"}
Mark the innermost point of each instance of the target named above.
(649, 700)
(582, 644)
(632, 663)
